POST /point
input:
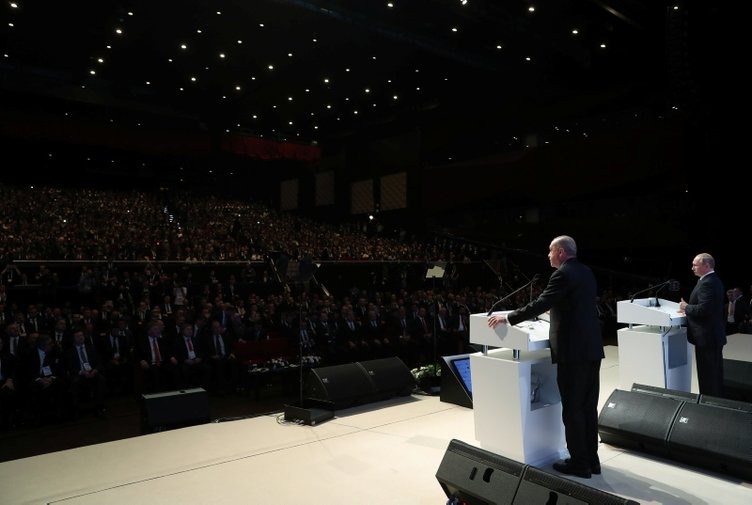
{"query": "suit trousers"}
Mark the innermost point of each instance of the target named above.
(579, 387)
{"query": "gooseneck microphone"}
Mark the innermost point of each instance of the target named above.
(507, 297)
(657, 289)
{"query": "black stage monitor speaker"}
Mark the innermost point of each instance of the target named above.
(713, 437)
(174, 409)
(726, 403)
(638, 421)
(472, 476)
(539, 487)
(737, 380)
(456, 383)
(390, 377)
(344, 385)
(674, 394)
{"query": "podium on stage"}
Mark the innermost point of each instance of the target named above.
(653, 349)
(516, 402)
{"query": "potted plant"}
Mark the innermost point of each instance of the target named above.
(428, 378)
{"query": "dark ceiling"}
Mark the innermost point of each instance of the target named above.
(324, 71)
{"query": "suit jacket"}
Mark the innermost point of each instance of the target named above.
(706, 321)
(107, 350)
(73, 361)
(7, 366)
(570, 296)
(180, 348)
(741, 307)
(143, 349)
(30, 365)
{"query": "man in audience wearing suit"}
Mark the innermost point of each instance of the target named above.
(736, 309)
(156, 360)
(117, 359)
(85, 377)
(42, 378)
(8, 391)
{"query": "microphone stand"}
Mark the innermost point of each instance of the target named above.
(507, 297)
(657, 287)
(300, 351)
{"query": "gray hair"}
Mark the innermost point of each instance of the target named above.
(567, 243)
(706, 259)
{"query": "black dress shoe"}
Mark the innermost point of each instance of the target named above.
(568, 468)
(595, 468)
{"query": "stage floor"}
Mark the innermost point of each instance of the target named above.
(376, 453)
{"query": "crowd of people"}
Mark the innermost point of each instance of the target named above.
(139, 322)
(58, 223)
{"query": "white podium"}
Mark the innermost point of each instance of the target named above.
(516, 402)
(653, 349)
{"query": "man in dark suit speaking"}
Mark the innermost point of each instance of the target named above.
(576, 348)
(706, 328)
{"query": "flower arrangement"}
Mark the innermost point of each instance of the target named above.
(427, 378)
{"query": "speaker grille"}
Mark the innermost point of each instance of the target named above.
(344, 385)
(474, 476)
(542, 487)
(713, 437)
(638, 421)
(390, 376)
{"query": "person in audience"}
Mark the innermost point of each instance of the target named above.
(194, 371)
(85, 377)
(736, 309)
(117, 358)
(218, 353)
(158, 365)
(42, 377)
(8, 392)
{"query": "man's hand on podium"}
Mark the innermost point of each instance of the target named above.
(496, 320)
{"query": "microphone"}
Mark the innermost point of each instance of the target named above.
(657, 287)
(507, 297)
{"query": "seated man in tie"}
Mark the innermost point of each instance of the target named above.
(84, 374)
(156, 359)
(218, 353)
(194, 372)
(117, 363)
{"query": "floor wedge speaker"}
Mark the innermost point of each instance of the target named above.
(674, 394)
(344, 385)
(713, 437)
(390, 377)
(174, 409)
(542, 487)
(638, 421)
(737, 380)
(474, 476)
